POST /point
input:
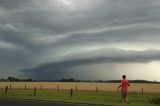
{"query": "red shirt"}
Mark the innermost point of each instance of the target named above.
(124, 84)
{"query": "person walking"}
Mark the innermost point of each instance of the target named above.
(124, 86)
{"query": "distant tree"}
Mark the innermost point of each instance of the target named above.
(12, 79)
(68, 80)
(29, 80)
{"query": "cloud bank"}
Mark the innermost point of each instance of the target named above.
(38, 35)
(59, 70)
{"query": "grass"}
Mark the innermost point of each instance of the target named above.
(91, 97)
(155, 101)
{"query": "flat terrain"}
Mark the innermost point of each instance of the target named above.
(87, 97)
(88, 93)
(111, 87)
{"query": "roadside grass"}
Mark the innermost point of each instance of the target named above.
(91, 97)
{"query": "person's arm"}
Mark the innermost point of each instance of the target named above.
(128, 83)
(119, 86)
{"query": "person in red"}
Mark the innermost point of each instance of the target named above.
(124, 86)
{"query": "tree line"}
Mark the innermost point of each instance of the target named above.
(14, 79)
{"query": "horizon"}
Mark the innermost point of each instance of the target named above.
(80, 39)
(15, 79)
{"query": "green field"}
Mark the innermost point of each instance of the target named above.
(91, 97)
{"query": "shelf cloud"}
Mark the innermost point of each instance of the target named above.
(56, 70)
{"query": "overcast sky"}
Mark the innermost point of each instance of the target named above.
(81, 39)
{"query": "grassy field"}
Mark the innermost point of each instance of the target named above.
(104, 98)
(86, 92)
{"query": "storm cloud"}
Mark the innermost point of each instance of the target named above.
(60, 70)
(61, 35)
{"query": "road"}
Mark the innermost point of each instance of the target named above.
(13, 102)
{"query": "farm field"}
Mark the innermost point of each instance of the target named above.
(92, 93)
(82, 86)
(89, 97)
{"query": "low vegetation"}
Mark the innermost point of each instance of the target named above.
(83, 92)
(155, 101)
(91, 97)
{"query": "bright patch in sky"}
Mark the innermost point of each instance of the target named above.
(67, 2)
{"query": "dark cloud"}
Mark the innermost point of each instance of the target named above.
(59, 70)
(14, 4)
(34, 32)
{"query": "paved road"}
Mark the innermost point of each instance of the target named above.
(12, 102)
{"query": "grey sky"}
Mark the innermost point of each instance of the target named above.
(57, 39)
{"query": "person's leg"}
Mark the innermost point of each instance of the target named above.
(123, 96)
(122, 99)
(126, 99)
